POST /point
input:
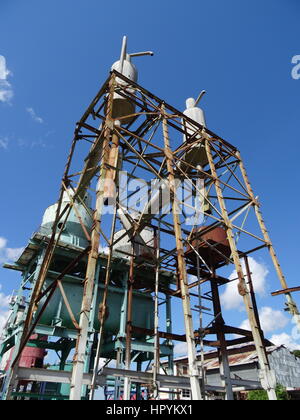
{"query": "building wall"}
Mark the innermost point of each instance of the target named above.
(247, 372)
(286, 367)
(282, 361)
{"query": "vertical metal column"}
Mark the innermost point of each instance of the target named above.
(127, 381)
(253, 297)
(188, 320)
(138, 385)
(80, 352)
(169, 330)
(121, 336)
(63, 359)
(268, 379)
(156, 366)
(222, 350)
(103, 306)
(293, 309)
(92, 337)
(170, 369)
(202, 361)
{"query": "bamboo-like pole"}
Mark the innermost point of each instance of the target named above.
(268, 380)
(222, 350)
(113, 160)
(127, 382)
(292, 306)
(103, 307)
(156, 318)
(202, 361)
(183, 280)
(253, 297)
(80, 351)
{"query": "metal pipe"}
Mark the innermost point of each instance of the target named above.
(156, 365)
(123, 53)
(139, 54)
(201, 94)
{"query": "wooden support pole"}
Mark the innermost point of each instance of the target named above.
(268, 378)
(127, 382)
(103, 307)
(254, 302)
(183, 280)
(156, 366)
(81, 344)
(222, 350)
(292, 306)
(113, 161)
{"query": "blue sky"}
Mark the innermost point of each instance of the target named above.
(58, 53)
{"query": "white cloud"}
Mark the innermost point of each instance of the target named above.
(34, 116)
(245, 325)
(271, 320)
(39, 143)
(103, 362)
(4, 309)
(4, 300)
(3, 143)
(4, 314)
(13, 253)
(4, 72)
(180, 349)
(231, 298)
(8, 254)
(3, 242)
(103, 250)
(6, 92)
(286, 340)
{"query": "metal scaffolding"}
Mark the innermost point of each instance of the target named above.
(148, 145)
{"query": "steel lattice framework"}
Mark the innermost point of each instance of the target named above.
(148, 145)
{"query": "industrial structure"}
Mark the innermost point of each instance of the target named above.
(104, 274)
(244, 365)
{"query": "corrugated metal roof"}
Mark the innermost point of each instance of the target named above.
(242, 358)
(234, 360)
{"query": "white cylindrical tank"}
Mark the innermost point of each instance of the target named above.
(140, 250)
(123, 106)
(72, 232)
(129, 70)
(195, 113)
(197, 154)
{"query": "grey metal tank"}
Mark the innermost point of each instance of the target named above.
(56, 313)
(72, 232)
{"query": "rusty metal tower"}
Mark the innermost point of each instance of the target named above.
(145, 142)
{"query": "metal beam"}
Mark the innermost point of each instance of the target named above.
(283, 292)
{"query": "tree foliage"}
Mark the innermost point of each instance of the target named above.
(257, 395)
(297, 353)
(261, 395)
